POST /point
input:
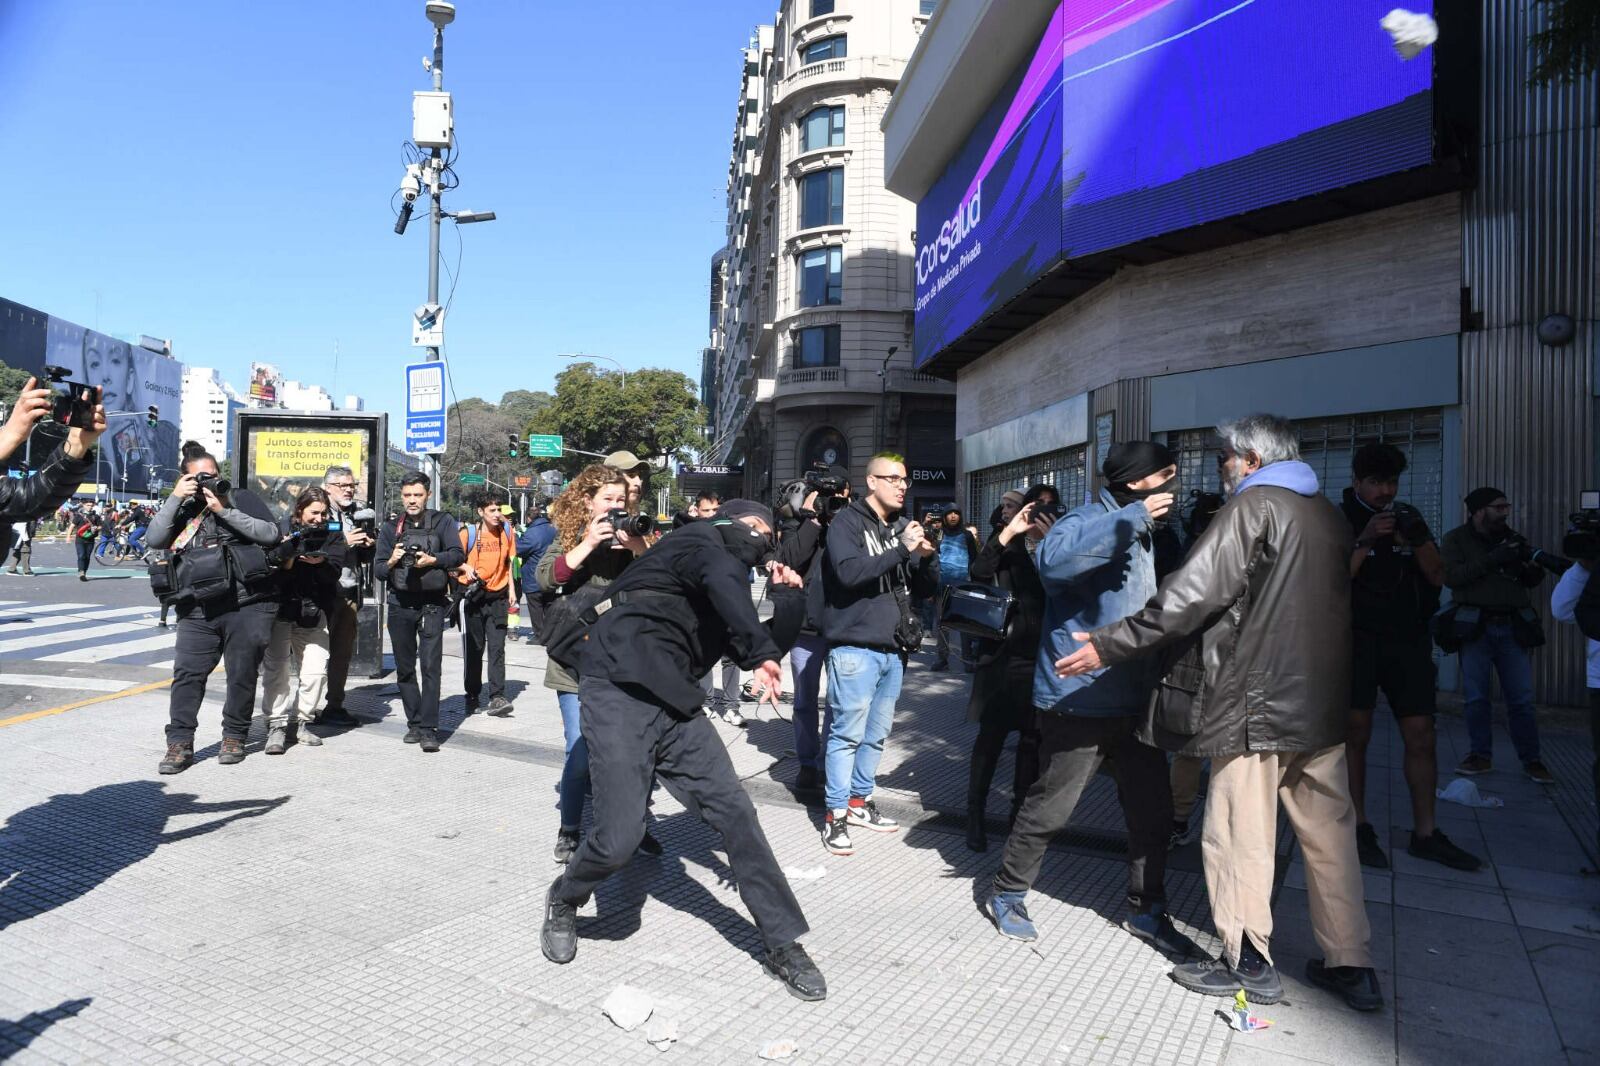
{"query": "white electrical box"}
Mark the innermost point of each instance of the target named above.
(432, 122)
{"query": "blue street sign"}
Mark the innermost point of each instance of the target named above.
(425, 419)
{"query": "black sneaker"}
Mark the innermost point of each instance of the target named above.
(1214, 977)
(499, 706)
(791, 965)
(649, 845)
(472, 704)
(836, 834)
(1537, 772)
(1438, 848)
(566, 845)
(428, 739)
(336, 715)
(1368, 849)
(559, 937)
(867, 816)
(413, 735)
(1475, 764)
(1358, 987)
(1155, 928)
(179, 757)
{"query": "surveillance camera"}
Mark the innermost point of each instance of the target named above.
(411, 185)
(427, 64)
(441, 13)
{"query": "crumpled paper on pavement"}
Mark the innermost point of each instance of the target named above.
(1239, 1018)
(1466, 793)
(662, 1032)
(1410, 31)
(795, 873)
(627, 1007)
(780, 1049)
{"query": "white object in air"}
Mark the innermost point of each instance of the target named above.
(1410, 31)
(1466, 793)
(628, 1007)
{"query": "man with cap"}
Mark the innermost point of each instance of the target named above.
(634, 470)
(662, 626)
(1489, 570)
(1099, 564)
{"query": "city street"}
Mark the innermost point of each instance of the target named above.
(363, 901)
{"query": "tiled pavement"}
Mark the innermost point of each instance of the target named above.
(362, 902)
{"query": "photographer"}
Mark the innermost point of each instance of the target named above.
(1575, 603)
(485, 589)
(666, 622)
(225, 599)
(413, 559)
(360, 537)
(62, 471)
(309, 561)
(1489, 570)
(588, 550)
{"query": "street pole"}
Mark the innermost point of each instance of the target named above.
(433, 240)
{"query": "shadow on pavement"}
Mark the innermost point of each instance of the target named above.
(16, 1035)
(61, 849)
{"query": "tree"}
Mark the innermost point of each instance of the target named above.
(479, 444)
(1568, 48)
(655, 414)
(11, 382)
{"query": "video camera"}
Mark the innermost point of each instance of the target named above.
(633, 525)
(1583, 534)
(75, 402)
(829, 489)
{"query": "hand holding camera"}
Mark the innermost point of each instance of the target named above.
(1410, 524)
(1380, 525)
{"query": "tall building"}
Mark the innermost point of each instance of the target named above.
(812, 339)
(208, 406)
(298, 396)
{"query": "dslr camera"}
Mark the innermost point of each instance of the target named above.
(634, 525)
(74, 402)
(1583, 532)
(219, 485)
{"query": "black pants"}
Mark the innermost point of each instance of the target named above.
(85, 549)
(533, 614)
(631, 741)
(236, 636)
(1071, 749)
(484, 630)
(418, 632)
(1004, 690)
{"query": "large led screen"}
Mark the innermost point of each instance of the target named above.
(1137, 118)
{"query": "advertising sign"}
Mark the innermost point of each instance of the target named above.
(265, 383)
(1139, 118)
(425, 420)
(300, 454)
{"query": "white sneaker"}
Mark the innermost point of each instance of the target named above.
(734, 718)
(867, 816)
(836, 834)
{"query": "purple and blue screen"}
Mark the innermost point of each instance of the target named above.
(1136, 118)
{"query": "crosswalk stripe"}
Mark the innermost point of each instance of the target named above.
(81, 684)
(101, 652)
(77, 636)
(69, 615)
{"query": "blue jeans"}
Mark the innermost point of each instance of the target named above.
(575, 771)
(806, 659)
(1496, 648)
(863, 685)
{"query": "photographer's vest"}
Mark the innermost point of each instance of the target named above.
(430, 584)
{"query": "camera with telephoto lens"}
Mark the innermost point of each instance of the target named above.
(1583, 531)
(1522, 551)
(74, 403)
(219, 485)
(633, 525)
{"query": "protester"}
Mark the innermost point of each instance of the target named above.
(867, 622)
(1396, 574)
(340, 484)
(1002, 690)
(309, 559)
(1575, 603)
(414, 556)
(226, 601)
(671, 617)
(485, 577)
(1256, 627)
(1489, 571)
(587, 550)
(956, 545)
(1101, 562)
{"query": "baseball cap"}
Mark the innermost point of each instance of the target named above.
(625, 461)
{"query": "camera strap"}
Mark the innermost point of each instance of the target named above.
(181, 541)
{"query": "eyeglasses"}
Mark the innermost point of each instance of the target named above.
(893, 479)
(341, 484)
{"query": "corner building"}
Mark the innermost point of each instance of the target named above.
(810, 354)
(1139, 220)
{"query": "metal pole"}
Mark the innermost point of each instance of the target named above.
(433, 243)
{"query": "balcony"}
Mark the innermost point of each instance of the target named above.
(826, 376)
(831, 71)
(916, 381)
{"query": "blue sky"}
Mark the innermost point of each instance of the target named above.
(219, 173)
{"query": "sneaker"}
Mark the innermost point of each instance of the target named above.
(335, 714)
(807, 780)
(1368, 849)
(836, 834)
(566, 845)
(11, 570)
(649, 845)
(559, 937)
(277, 741)
(1358, 987)
(864, 812)
(27, 573)
(428, 740)
(307, 737)
(791, 965)
(734, 718)
(1475, 764)
(412, 736)
(472, 704)
(83, 577)
(1155, 928)
(499, 706)
(232, 751)
(1009, 910)
(1438, 848)
(1536, 771)
(162, 625)
(1214, 977)
(1179, 835)
(179, 757)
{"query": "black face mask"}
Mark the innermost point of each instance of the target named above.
(747, 544)
(1124, 495)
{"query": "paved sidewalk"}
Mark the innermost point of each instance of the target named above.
(363, 902)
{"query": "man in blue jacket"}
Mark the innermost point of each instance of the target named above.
(1099, 564)
(531, 546)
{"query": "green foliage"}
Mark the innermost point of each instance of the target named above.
(656, 413)
(11, 382)
(1568, 48)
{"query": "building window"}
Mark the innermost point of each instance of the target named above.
(1065, 469)
(821, 277)
(822, 198)
(822, 128)
(817, 346)
(927, 7)
(827, 48)
(821, 7)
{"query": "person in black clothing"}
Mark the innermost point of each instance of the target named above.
(1002, 689)
(226, 602)
(63, 470)
(1395, 576)
(412, 559)
(664, 623)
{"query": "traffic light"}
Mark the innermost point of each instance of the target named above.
(512, 444)
(152, 415)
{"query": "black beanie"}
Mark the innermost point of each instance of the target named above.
(1134, 459)
(745, 508)
(1478, 499)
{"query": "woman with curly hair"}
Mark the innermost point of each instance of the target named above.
(587, 550)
